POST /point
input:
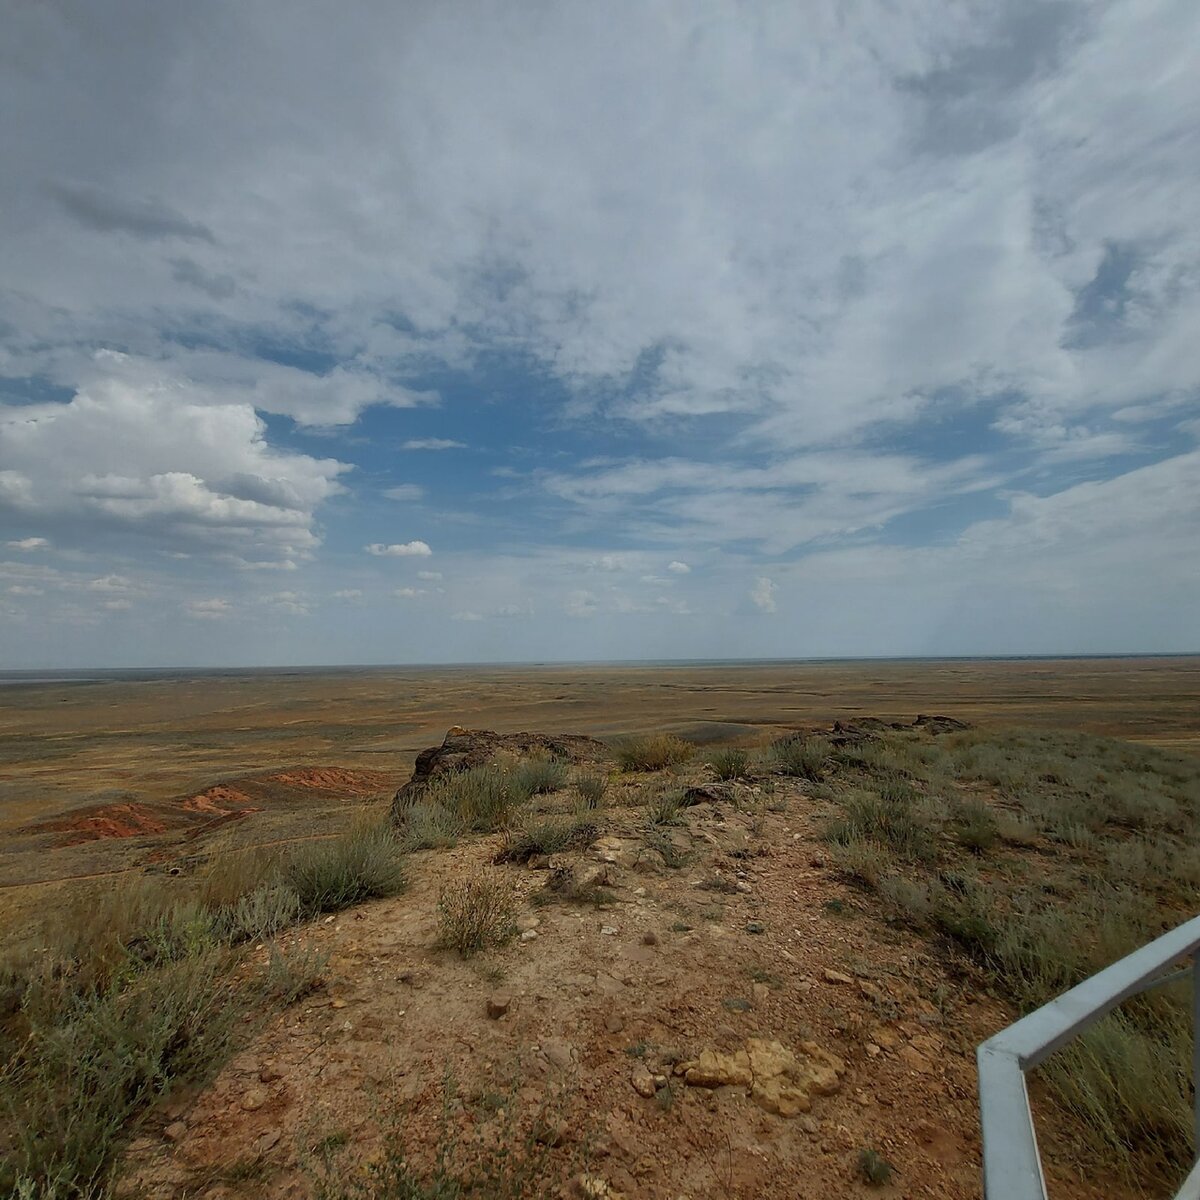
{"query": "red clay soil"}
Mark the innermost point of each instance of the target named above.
(218, 801)
(106, 821)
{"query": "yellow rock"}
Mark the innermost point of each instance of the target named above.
(713, 1069)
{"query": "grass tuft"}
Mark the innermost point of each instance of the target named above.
(653, 752)
(476, 914)
(363, 864)
(803, 757)
(730, 763)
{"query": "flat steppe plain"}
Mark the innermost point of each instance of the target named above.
(162, 761)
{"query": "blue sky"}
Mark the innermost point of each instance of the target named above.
(420, 333)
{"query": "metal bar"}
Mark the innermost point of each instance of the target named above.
(1196, 1059)
(1035, 1037)
(1012, 1167)
(1191, 1185)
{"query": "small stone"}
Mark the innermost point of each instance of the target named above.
(175, 1131)
(498, 1005)
(809, 1124)
(608, 930)
(269, 1073)
(528, 922)
(650, 938)
(816, 861)
(338, 1003)
(642, 1081)
(743, 887)
(755, 927)
(268, 1141)
(614, 1023)
(761, 993)
(529, 935)
(832, 976)
(872, 1050)
(254, 1099)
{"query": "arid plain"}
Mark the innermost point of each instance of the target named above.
(153, 759)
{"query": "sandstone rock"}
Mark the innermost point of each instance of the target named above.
(761, 993)
(498, 1005)
(713, 1069)
(529, 935)
(463, 749)
(915, 1061)
(593, 1187)
(254, 1099)
(559, 1054)
(608, 930)
(267, 1141)
(832, 976)
(269, 1073)
(614, 1023)
(755, 927)
(175, 1131)
(743, 887)
(785, 1082)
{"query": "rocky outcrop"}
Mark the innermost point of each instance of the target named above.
(462, 749)
(939, 724)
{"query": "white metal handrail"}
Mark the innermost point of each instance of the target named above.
(1012, 1168)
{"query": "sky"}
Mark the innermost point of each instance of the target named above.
(415, 332)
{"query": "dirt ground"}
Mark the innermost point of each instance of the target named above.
(754, 936)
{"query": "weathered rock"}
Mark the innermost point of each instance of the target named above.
(175, 1131)
(254, 1099)
(937, 724)
(785, 1082)
(269, 1073)
(832, 976)
(709, 793)
(529, 935)
(463, 749)
(498, 1005)
(755, 927)
(714, 1069)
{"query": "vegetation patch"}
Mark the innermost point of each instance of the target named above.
(653, 752)
(476, 914)
(803, 757)
(730, 763)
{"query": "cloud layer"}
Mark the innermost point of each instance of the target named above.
(655, 322)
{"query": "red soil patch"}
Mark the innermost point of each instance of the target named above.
(334, 779)
(219, 801)
(108, 821)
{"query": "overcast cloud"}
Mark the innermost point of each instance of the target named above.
(659, 329)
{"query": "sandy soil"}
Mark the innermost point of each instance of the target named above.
(783, 951)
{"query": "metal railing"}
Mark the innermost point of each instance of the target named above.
(1012, 1168)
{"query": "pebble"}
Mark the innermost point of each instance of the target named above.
(832, 976)
(254, 1099)
(269, 1073)
(498, 1005)
(529, 935)
(743, 886)
(755, 927)
(608, 930)
(174, 1131)
(642, 1081)
(614, 1023)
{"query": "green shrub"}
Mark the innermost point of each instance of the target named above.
(976, 827)
(430, 827)
(107, 1054)
(730, 763)
(548, 837)
(900, 827)
(861, 860)
(653, 752)
(477, 913)
(592, 789)
(535, 777)
(804, 757)
(874, 1168)
(363, 864)
(482, 798)
(663, 808)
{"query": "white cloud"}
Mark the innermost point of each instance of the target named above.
(289, 602)
(433, 444)
(110, 583)
(401, 550)
(208, 610)
(408, 593)
(429, 575)
(762, 595)
(117, 605)
(155, 462)
(466, 615)
(29, 543)
(24, 589)
(348, 594)
(405, 492)
(678, 568)
(580, 603)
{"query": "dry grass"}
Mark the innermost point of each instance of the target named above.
(476, 914)
(730, 763)
(653, 752)
(363, 864)
(804, 757)
(1123, 819)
